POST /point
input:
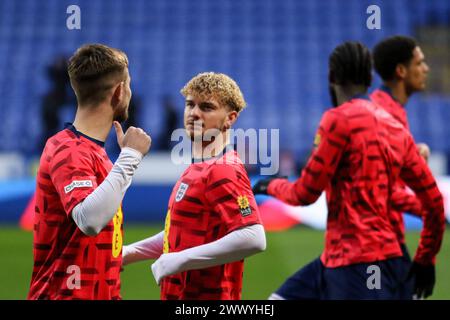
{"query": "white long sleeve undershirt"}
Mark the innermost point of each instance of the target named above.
(241, 239)
(150, 248)
(232, 247)
(98, 208)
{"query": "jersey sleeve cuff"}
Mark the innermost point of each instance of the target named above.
(132, 152)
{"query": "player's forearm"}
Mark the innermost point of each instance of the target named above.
(235, 246)
(416, 174)
(150, 248)
(330, 143)
(431, 237)
(283, 190)
(403, 200)
(98, 208)
(291, 193)
(433, 223)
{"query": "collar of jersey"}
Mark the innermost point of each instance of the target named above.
(71, 127)
(389, 92)
(227, 148)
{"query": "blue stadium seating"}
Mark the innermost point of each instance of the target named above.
(277, 50)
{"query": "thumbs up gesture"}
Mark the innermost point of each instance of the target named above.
(134, 138)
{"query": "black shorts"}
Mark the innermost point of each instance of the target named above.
(353, 282)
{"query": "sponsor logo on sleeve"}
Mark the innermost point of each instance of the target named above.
(78, 184)
(244, 206)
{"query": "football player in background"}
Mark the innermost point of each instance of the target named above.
(400, 63)
(360, 152)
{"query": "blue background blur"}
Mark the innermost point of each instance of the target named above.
(277, 51)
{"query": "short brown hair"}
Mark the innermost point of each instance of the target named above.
(94, 69)
(218, 85)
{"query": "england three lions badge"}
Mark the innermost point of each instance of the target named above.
(181, 191)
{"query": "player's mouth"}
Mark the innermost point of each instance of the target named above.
(196, 125)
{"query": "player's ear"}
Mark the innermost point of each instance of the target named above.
(118, 92)
(231, 119)
(400, 71)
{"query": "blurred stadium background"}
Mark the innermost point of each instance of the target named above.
(277, 50)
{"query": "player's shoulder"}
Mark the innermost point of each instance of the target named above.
(65, 143)
(356, 109)
(64, 136)
(336, 117)
(378, 95)
(60, 139)
(388, 117)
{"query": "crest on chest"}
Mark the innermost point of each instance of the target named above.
(181, 191)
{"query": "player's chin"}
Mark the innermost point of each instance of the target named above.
(190, 133)
(194, 133)
(422, 85)
(419, 87)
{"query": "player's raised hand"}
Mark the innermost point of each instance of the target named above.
(134, 138)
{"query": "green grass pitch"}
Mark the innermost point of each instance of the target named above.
(263, 273)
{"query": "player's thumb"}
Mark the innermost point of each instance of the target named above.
(119, 132)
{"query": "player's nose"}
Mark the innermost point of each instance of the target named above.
(195, 112)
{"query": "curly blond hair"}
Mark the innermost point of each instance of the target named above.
(218, 85)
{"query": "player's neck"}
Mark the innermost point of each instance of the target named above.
(398, 91)
(346, 93)
(207, 149)
(94, 122)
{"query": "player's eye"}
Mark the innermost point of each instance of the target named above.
(206, 107)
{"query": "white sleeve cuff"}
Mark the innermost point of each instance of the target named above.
(133, 153)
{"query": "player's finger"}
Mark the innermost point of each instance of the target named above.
(119, 132)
